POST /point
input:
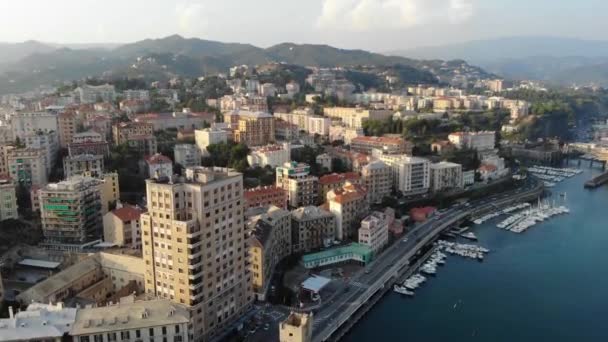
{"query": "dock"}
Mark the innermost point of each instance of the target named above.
(597, 181)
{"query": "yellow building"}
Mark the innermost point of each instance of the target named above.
(252, 128)
(296, 328)
(195, 248)
(270, 242)
(110, 191)
(121, 226)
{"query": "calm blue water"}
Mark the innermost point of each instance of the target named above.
(547, 284)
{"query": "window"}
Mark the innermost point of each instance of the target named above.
(124, 335)
(84, 338)
(177, 329)
(164, 330)
(98, 338)
(138, 333)
(151, 331)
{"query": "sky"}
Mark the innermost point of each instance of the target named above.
(378, 25)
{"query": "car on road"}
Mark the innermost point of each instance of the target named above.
(404, 240)
(367, 271)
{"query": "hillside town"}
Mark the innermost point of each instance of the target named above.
(172, 210)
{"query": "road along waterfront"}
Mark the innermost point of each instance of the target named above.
(547, 284)
(383, 271)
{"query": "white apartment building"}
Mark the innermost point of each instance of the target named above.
(47, 141)
(445, 176)
(83, 164)
(480, 141)
(158, 166)
(411, 175)
(301, 187)
(346, 134)
(39, 322)
(93, 94)
(138, 94)
(319, 125)
(27, 166)
(374, 231)
(209, 136)
(468, 178)
(26, 124)
(187, 155)
(349, 205)
(377, 179)
(270, 155)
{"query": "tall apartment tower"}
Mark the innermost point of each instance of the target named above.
(71, 212)
(195, 249)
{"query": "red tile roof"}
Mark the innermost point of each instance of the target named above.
(128, 213)
(335, 178)
(158, 159)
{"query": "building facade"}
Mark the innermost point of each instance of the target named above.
(27, 166)
(377, 179)
(84, 164)
(311, 228)
(252, 128)
(374, 231)
(349, 205)
(121, 226)
(300, 186)
(71, 211)
(265, 196)
(411, 175)
(194, 247)
(187, 155)
(446, 176)
(209, 136)
(8, 201)
(271, 155)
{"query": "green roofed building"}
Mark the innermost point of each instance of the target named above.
(353, 252)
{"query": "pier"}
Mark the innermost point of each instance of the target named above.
(597, 181)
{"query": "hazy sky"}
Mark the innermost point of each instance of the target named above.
(368, 24)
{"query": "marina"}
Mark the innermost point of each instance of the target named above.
(498, 213)
(520, 222)
(488, 302)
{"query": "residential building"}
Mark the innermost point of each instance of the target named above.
(445, 176)
(93, 94)
(6, 134)
(132, 321)
(319, 125)
(343, 133)
(335, 181)
(39, 322)
(71, 212)
(47, 141)
(267, 90)
(110, 191)
(136, 94)
(480, 141)
(297, 327)
(374, 231)
(88, 143)
(194, 247)
(138, 136)
(209, 136)
(27, 166)
(121, 226)
(252, 128)
(158, 166)
(387, 144)
(411, 175)
(349, 205)
(292, 88)
(270, 242)
(325, 161)
(311, 228)
(25, 124)
(187, 155)
(67, 123)
(8, 201)
(4, 150)
(83, 164)
(285, 131)
(176, 120)
(377, 179)
(270, 155)
(354, 117)
(265, 196)
(301, 187)
(495, 85)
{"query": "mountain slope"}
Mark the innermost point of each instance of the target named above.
(551, 59)
(12, 52)
(178, 56)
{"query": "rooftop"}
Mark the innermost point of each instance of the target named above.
(353, 248)
(378, 140)
(310, 212)
(127, 213)
(38, 322)
(336, 178)
(127, 316)
(158, 159)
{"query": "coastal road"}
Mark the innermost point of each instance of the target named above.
(351, 295)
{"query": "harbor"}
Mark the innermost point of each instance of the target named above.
(507, 297)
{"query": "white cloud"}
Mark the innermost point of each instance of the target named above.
(191, 18)
(363, 15)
